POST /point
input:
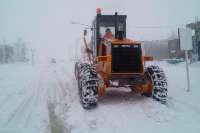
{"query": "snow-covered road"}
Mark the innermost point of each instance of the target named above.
(44, 99)
(29, 97)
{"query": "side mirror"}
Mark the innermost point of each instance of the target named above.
(85, 32)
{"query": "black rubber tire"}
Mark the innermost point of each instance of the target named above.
(88, 85)
(159, 81)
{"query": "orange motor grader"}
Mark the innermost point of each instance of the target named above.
(116, 61)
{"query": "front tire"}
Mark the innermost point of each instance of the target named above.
(87, 84)
(159, 82)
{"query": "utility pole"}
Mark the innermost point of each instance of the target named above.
(187, 70)
(4, 51)
(32, 56)
(196, 30)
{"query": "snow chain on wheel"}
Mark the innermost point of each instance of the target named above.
(159, 82)
(88, 84)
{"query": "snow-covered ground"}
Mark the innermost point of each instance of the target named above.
(44, 99)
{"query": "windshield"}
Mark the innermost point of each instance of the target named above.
(104, 28)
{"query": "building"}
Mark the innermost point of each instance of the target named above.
(174, 49)
(194, 54)
(157, 48)
(13, 53)
(196, 39)
(20, 51)
(6, 54)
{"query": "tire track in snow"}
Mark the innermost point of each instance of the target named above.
(32, 110)
(18, 111)
(185, 104)
(58, 104)
(34, 103)
(7, 98)
(158, 112)
(13, 97)
(25, 113)
(38, 107)
(56, 125)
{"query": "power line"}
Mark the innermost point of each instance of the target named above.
(158, 27)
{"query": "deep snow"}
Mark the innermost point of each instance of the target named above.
(44, 98)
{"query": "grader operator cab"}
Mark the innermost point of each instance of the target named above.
(116, 61)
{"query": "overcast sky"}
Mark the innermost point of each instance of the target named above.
(46, 24)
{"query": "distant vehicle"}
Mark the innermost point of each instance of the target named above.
(53, 60)
(174, 61)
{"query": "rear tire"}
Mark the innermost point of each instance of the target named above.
(159, 82)
(87, 84)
